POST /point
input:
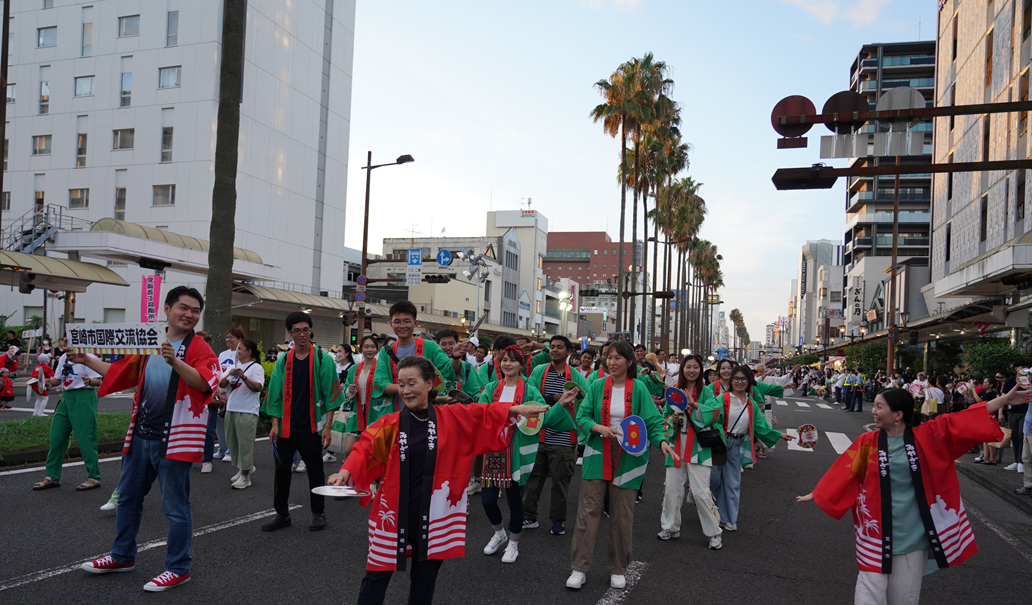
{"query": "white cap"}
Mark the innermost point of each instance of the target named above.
(475, 341)
(43, 358)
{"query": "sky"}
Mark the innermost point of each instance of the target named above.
(492, 99)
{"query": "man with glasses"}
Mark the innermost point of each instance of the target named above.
(403, 322)
(303, 393)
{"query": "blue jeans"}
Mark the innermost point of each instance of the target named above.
(514, 496)
(140, 467)
(216, 426)
(726, 482)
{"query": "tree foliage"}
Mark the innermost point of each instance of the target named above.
(983, 359)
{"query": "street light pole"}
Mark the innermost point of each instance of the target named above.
(404, 159)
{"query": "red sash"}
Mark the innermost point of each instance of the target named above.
(363, 403)
(498, 465)
(569, 406)
(394, 347)
(727, 408)
(288, 390)
(607, 398)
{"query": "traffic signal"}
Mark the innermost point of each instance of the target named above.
(436, 279)
(593, 292)
(25, 285)
(662, 295)
(354, 337)
(350, 318)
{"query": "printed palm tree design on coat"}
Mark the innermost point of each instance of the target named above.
(868, 523)
(386, 516)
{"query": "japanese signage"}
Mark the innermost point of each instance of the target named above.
(802, 278)
(414, 269)
(118, 339)
(857, 296)
(150, 294)
(32, 333)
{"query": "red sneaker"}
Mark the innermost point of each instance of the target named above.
(166, 581)
(107, 565)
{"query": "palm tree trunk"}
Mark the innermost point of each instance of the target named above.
(634, 233)
(646, 333)
(623, 216)
(680, 305)
(655, 256)
(222, 232)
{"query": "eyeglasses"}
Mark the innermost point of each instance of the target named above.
(301, 331)
(739, 379)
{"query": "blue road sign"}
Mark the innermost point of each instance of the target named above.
(360, 296)
(361, 280)
(444, 258)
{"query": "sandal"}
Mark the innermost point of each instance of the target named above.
(47, 483)
(87, 485)
(986, 462)
(762, 456)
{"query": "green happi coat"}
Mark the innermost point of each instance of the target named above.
(326, 390)
(704, 415)
(538, 375)
(468, 380)
(759, 428)
(655, 385)
(540, 358)
(630, 469)
(523, 448)
(375, 408)
(387, 372)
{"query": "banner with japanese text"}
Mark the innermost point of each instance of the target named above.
(116, 339)
(150, 297)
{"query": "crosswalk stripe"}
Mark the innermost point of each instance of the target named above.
(839, 441)
(793, 445)
(824, 406)
(780, 402)
(802, 404)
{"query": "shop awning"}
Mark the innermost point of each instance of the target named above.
(253, 295)
(54, 273)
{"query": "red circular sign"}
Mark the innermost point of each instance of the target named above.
(795, 105)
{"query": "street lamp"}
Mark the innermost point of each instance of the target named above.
(402, 159)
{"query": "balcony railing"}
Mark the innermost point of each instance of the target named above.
(585, 254)
(886, 217)
(553, 312)
(886, 240)
(916, 194)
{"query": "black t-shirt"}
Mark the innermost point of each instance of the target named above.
(417, 465)
(301, 400)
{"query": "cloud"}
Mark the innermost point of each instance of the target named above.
(618, 4)
(859, 13)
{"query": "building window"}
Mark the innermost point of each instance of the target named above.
(949, 237)
(538, 281)
(120, 203)
(129, 26)
(41, 144)
(48, 3)
(124, 138)
(953, 102)
(954, 39)
(5, 201)
(44, 98)
(1026, 20)
(40, 200)
(84, 86)
(164, 195)
(87, 40)
(10, 93)
(989, 59)
(985, 138)
(127, 89)
(80, 150)
(538, 306)
(949, 180)
(604, 252)
(46, 36)
(1019, 198)
(7, 148)
(172, 29)
(78, 198)
(166, 144)
(168, 77)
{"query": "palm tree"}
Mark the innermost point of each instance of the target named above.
(614, 113)
(222, 232)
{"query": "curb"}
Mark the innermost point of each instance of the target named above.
(1022, 502)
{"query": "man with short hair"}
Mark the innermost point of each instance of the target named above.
(466, 379)
(163, 442)
(304, 391)
(1016, 416)
(557, 452)
(587, 357)
(482, 356)
(403, 322)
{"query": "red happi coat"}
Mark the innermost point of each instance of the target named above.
(457, 433)
(41, 373)
(6, 387)
(362, 403)
(854, 481)
(187, 420)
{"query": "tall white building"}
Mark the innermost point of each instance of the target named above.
(531, 227)
(112, 112)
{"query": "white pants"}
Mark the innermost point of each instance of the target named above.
(699, 476)
(901, 587)
(40, 403)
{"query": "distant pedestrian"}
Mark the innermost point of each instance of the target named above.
(6, 389)
(38, 384)
(243, 381)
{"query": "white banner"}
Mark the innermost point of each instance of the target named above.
(118, 339)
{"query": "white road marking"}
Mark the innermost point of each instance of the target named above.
(802, 404)
(780, 402)
(63, 569)
(793, 445)
(614, 595)
(1009, 539)
(30, 410)
(824, 406)
(839, 441)
(80, 463)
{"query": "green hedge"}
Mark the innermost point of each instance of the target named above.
(33, 433)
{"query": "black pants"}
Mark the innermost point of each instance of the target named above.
(424, 580)
(1017, 424)
(309, 446)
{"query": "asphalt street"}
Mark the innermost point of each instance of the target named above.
(118, 402)
(783, 552)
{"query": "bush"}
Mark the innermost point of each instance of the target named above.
(986, 358)
(805, 360)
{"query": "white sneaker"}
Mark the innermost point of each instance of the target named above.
(729, 527)
(206, 467)
(528, 524)
(1011, 466)
(227, 458)
(576, 580)
(217, 455)
(616, 581)
(474, 487)
(108, 506)
(240, 474)
(301, 467)
(580, 462)
(511, 552)
(496, 542)
(715, 543)
(666, 535)
(243, 482)
(1021, 468)
(329, 457)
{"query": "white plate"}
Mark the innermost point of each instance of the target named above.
(339, 491)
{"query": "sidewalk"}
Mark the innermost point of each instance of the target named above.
(996, 480)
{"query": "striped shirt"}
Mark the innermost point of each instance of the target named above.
(554, 384)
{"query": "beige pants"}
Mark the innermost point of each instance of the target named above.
(240, 430)
(901, 587)
(621, 522)
(1026, 459)
(698, 475)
